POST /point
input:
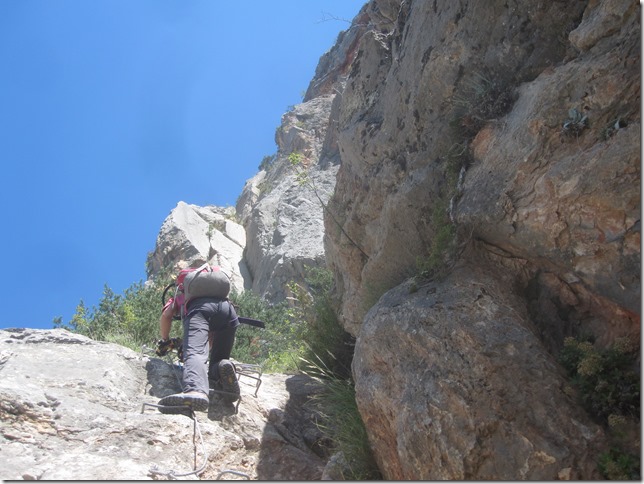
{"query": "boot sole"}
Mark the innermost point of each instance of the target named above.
(198, 404)
(228, 381)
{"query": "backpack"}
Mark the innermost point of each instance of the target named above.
(206, 281)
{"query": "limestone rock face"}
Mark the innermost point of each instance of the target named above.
(71, 409)
(283, 215)
(507, 77)
(408, 81)
(192, 235)
(573, 200)
(249, 196)
(518, 124)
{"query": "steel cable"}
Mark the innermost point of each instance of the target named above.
(171, 474)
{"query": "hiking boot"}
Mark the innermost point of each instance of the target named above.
(214, 384)
(195, 400)
(228, 381)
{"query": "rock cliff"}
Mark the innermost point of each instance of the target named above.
(282, 207)
(493, 148)
(72, 409)
(283, 215)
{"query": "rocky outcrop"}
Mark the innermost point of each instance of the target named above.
(282, 207)
(570, 202)
(193, 235)
(517, 125)
(284, 226)
(72, 409)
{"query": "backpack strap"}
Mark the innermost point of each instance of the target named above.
(204, 266)
(182, 307)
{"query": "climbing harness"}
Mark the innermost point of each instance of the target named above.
(177, 317)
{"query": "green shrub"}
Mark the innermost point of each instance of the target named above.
(130, 319)
(575, 124)
(607, 379)
(272, 347)
(322, 334)
(442, 246)
(609, 387)
(620, 466)
(482, 98)
(327, 355)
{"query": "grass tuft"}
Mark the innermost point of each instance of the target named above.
(341, 422)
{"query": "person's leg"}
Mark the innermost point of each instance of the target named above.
(195, 377)
(222, 347)
(221, 372)
(195, 354)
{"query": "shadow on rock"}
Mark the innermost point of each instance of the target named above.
(163, 378)
(292, 446)
(219, 408)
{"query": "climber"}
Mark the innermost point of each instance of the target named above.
(209, 321)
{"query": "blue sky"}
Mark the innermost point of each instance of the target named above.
(112, 111)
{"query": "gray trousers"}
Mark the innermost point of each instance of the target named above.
(205, 315)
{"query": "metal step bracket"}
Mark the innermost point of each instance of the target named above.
(251, 371)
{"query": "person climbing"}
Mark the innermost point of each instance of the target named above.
(209, 322)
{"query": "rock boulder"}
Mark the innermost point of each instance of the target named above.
(454, 373)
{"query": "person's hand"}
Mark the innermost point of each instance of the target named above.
(163, 346)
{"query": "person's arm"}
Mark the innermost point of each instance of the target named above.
(165, 323)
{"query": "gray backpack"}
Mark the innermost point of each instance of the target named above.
(206, 281)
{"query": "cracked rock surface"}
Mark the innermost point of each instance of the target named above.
(71, 409)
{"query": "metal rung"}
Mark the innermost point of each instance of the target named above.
(250, 370)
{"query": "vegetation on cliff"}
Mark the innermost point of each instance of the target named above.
(608, 385)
